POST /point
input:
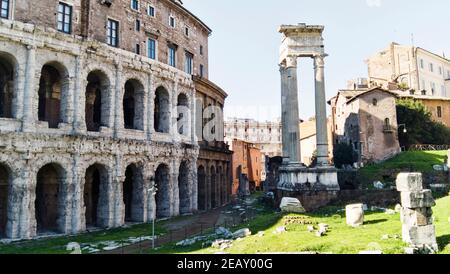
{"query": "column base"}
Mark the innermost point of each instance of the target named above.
(300, 178)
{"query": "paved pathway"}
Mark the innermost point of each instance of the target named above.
(177, 231)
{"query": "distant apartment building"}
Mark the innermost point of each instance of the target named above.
(267, 137)
(246, 167)
(367, 120)
(416, 69)
(413, 72)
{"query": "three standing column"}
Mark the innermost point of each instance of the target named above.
(321, 111)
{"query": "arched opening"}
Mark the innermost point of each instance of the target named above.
(97, 107)
(222, 187)
(162, 111)
(133, 194)
(201, 174)
(48, 204)
(133, 105)
(4, 191)
(183, 114)
(53, 87)
(95, 200)
(228, 184)
(162, 181)
(6, 88)
(183, 188)
(213, 188)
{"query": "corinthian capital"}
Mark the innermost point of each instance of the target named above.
(291, 62)
(319, 60)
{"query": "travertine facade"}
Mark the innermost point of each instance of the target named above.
(215, 158)
(87, 128)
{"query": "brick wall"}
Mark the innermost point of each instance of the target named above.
(90, 19)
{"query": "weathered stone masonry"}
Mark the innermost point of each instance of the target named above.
(61, 147)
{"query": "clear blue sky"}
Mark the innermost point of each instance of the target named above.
(243, 49)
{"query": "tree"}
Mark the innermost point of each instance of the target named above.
(421, 129)
(344, 155)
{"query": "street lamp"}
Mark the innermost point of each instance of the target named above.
(403, 125)
(153, 190)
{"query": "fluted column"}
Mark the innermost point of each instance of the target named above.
(290, 111)
(321, 111)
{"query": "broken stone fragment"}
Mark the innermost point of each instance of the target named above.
(242, 233)
(418, 199)
(291, 205)
(409, 182)
(420, 235)
(416, 217)
(354, 215)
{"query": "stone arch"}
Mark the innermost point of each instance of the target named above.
(183, 114)
(162, 110)
(202, 188)
(133, 105)
(8, 84)
(221, 184)
(162, 181)
(184, 189)
(53, 94)
(97, 106)
(213, 174)
(49, 203)
(133, 194)
(95, 195)
(5, 183)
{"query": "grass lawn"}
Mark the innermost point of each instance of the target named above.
(416, 161)
(58, 245)
(340, 240)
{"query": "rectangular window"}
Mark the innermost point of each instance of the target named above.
(138, 25)
(189, 62)
(440, 70)
(4, 9)
(433, 88)
(439, 112)
(138, 49)
(443, 93)
(113, 33)
(64, 18)
(431, 67)
(172, 56)
(448, 74)
(421, 64)
(135, 4)
(151, 11)
(151, 49)
(186, 31)
(201, 50)
(172, 21)
(201, 71)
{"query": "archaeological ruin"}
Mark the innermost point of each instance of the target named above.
(314, 187)
(97, 105)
